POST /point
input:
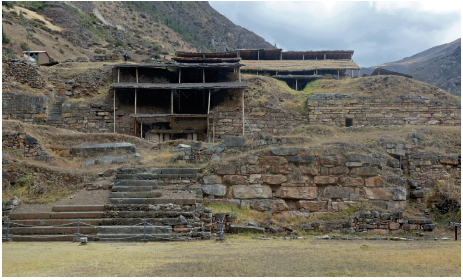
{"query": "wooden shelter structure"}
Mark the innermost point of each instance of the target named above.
(190, 124)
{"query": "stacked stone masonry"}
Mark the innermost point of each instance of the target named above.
(334, 109)
(26, 145)
(24, 72)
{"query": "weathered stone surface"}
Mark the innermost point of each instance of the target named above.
(281, 169)
(418, 135)
(254, 178)
(29, 140)
(396, 152)
(234, 179)
(384, 216)
(394, 163)
(286, 151)
(212, 179)
(226, 170)
(325, 180)
(364, 171)
(364, 159)
(354, 164)
(274, 179)
(251, 159)
(251, 191)
(272, 161)
(297, 178)
(337, 192)
(257, 169)
(331, 160)
(449, 161)
(373, 182)
(301, 159)
(417, 193)
(269, 204)
(313, 206)
(107, 160)
(215, 189)
(310, 170)
(93, 150)
(234, 141)
(297, 192)
(342, 205)
(396, 180)
(398, 193)
(351, 181)
(338, 170)
(394, 226)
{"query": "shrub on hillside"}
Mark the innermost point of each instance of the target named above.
(24, 46)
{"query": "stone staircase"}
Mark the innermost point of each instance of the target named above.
(148, 204)
(55, 114)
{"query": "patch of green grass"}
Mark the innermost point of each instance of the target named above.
(36, 6)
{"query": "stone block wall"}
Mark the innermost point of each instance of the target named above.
(87, 117)
(333, 109)
(23, 144)
(29, 109)
(229, 121)
(302, 180)
(24, 72)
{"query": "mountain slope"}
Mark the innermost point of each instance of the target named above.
(443, 71)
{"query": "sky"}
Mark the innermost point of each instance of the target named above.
(377, 32)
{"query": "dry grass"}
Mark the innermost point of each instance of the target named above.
(297, 65)
(237, 256)
(33, 15)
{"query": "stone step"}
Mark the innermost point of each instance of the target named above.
(152, 183)
(129, 237)
(78, 208)
(180, 171)
(43, 238)
(138, 221)
(62, 222)
(148, 215)
(133, 188)
(55, 215)
(134, 194)
(98, 149)
(50, 230)
(141, 200)
(149, 176)
(134, 230)
(127, 200)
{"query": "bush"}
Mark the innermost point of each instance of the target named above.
(5, 40)
(24, 46)
(7, 4)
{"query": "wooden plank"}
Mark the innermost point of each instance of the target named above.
(179, 86)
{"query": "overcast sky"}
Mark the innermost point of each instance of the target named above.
(378, 32)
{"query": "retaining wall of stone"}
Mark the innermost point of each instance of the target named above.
(333, 109)
(29, 109)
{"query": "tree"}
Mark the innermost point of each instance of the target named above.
(5, 40)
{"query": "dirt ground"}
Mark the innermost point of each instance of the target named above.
(237, 256)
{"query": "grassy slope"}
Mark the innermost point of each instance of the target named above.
(238, 256)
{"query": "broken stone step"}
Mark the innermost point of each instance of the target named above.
(93, 150)
(64, 222)
(137, 221)
(137, 177)
(133, 188)
(126, 200)
(150, 194)
(237, 228)
(55, 215)
(147, 215)
(78, 208)
(180, 171)
(137, 183)
(178, 201)
(51, 230)
(134, 230)
(129, 237)
(43, 238)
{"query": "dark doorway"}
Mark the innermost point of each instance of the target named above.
(349, 122)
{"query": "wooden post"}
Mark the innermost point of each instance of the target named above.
(302, 57)
(114, 110)
(172, 101)
(239, 73)
(258, 55)
(338, 74)
(296, 84)
(209, 102)
(141, 128)
(136, 73)
(204, 77)
(281, 56)
(135, 101)
(179, 75)
(324, 56)
(118, 72)
(242, 98)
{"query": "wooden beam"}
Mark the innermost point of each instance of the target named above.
(209, 102)
(135, 101)
(172, 101)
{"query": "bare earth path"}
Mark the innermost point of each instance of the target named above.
(237, 256)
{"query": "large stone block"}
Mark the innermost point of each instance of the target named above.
(331, 160)
(234, 141)
(280, 169)
(325, 180)
(396, 205)
(272, 161)
(449, 161)
(309, 169)
(364, 171)
(351, 181)
(286, 151)
(342, 205)
(396, 152)
(212, 179)
(99, 149)
(301, 159)
(226, 170)
(374, 182)
(313, 206)
(274, 179)
(251, 191)
(338, 192)
(269, 205)
(364, 160)
(254, 178)
(338, 170)
(215, 189)
(297, 192)
(378, 193)
(234, 179)
(298, 178)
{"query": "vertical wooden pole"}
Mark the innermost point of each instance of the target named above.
(324, 56)
(118, 74)
(302, 57)
(141, 127)
(239, 72)
(338, 74)
(209, 102)
(204, 77)
(258, 55)
(172, 101)
(296, 84)
(213, 130)
(114, 110)
(179, 75)
(242, 98)
(135, 101)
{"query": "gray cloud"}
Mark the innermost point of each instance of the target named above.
(376, 36)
